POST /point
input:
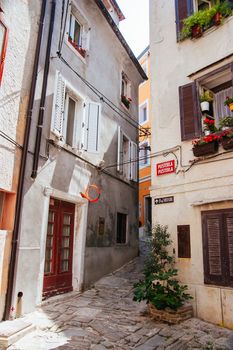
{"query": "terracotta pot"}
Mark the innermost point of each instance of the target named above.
(196, 31)
(217, 18)
(205, 149)
(227, 143)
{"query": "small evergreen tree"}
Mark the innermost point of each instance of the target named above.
(159, 286)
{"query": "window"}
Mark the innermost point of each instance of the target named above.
(7, 207)
(200, 5)
(75, 121)
(101, 226)
(121, 228)
(143, 112)
(144, 154)
(127, 157)
(217, 231)
(219, 84)
(3, 46)
(125, 91)
(183, 237)
(77, 31)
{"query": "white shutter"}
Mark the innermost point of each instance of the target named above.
(59, 105)
(91, 127)
(120, 150)
(133, 161)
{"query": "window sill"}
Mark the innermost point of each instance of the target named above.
(83, 59)
(207, 31)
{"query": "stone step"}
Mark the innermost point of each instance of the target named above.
(12, 331)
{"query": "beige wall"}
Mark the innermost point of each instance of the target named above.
(210, 183)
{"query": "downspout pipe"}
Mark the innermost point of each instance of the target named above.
(43, 94)
(19, 197)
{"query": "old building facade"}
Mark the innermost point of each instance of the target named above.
(192, 186)
(79, 217)
(144, 146)
(18, 34)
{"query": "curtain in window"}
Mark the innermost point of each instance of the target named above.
(220, 110)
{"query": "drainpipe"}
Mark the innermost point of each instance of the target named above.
(19, 198)
(43, 95)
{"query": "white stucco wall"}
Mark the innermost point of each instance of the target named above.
(171, 64)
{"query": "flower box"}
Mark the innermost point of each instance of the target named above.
(205, 149)
(227, 143)
(171, 316)
(77, 48)
(126, 101)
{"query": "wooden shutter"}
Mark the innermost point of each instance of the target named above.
(133, 161)
(213, 252)
(91, 137)
(228, 245)
(190, 118)
(184, 248)
(59, 105)
(184, 8)
(119, 150)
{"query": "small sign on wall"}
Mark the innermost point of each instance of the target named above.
(165, 167)
(164, 200)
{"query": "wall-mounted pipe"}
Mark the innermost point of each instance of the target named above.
(43, 95)
(19, 198)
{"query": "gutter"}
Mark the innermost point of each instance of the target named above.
(43, 95)
(116, 30)
(19, 198)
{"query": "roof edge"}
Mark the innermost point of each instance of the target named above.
(118, 10)
(121, 38)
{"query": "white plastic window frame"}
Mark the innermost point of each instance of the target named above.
(85, 30)
(140, 108)
(147, 152)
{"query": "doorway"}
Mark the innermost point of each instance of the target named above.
(148, 215)
(59, 248)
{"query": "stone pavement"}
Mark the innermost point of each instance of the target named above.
(105, 317)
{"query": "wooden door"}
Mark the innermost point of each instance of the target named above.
(59, 248)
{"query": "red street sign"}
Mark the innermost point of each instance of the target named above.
(165, 167)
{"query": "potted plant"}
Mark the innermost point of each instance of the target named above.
(227, 139)
(195, 24)
(206, 145)
(219, 11)
(229, 102)
(226, 122)
(160, 287)
(126, 101)
(205, 99)
(209, 125)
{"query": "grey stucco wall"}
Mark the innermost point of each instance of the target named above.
(64, 176)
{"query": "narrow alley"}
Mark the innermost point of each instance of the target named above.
(106, 317)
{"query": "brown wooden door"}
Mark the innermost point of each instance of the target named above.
(59, 248)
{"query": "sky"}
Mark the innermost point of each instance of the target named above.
(135, 28)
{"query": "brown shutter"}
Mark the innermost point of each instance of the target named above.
(184, 249)
(190, 118)
(184, 8)
(228, 245)
(213, 248)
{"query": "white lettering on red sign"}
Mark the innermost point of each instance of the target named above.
(165, 167)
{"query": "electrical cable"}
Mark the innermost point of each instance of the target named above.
(107, 101)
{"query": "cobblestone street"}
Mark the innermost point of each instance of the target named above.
(105, 317)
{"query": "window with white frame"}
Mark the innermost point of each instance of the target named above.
(75, 121)
(77, 31)
(143, 112)
(144, 154)
(127, 158)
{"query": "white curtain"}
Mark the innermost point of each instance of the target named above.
(220, 110)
